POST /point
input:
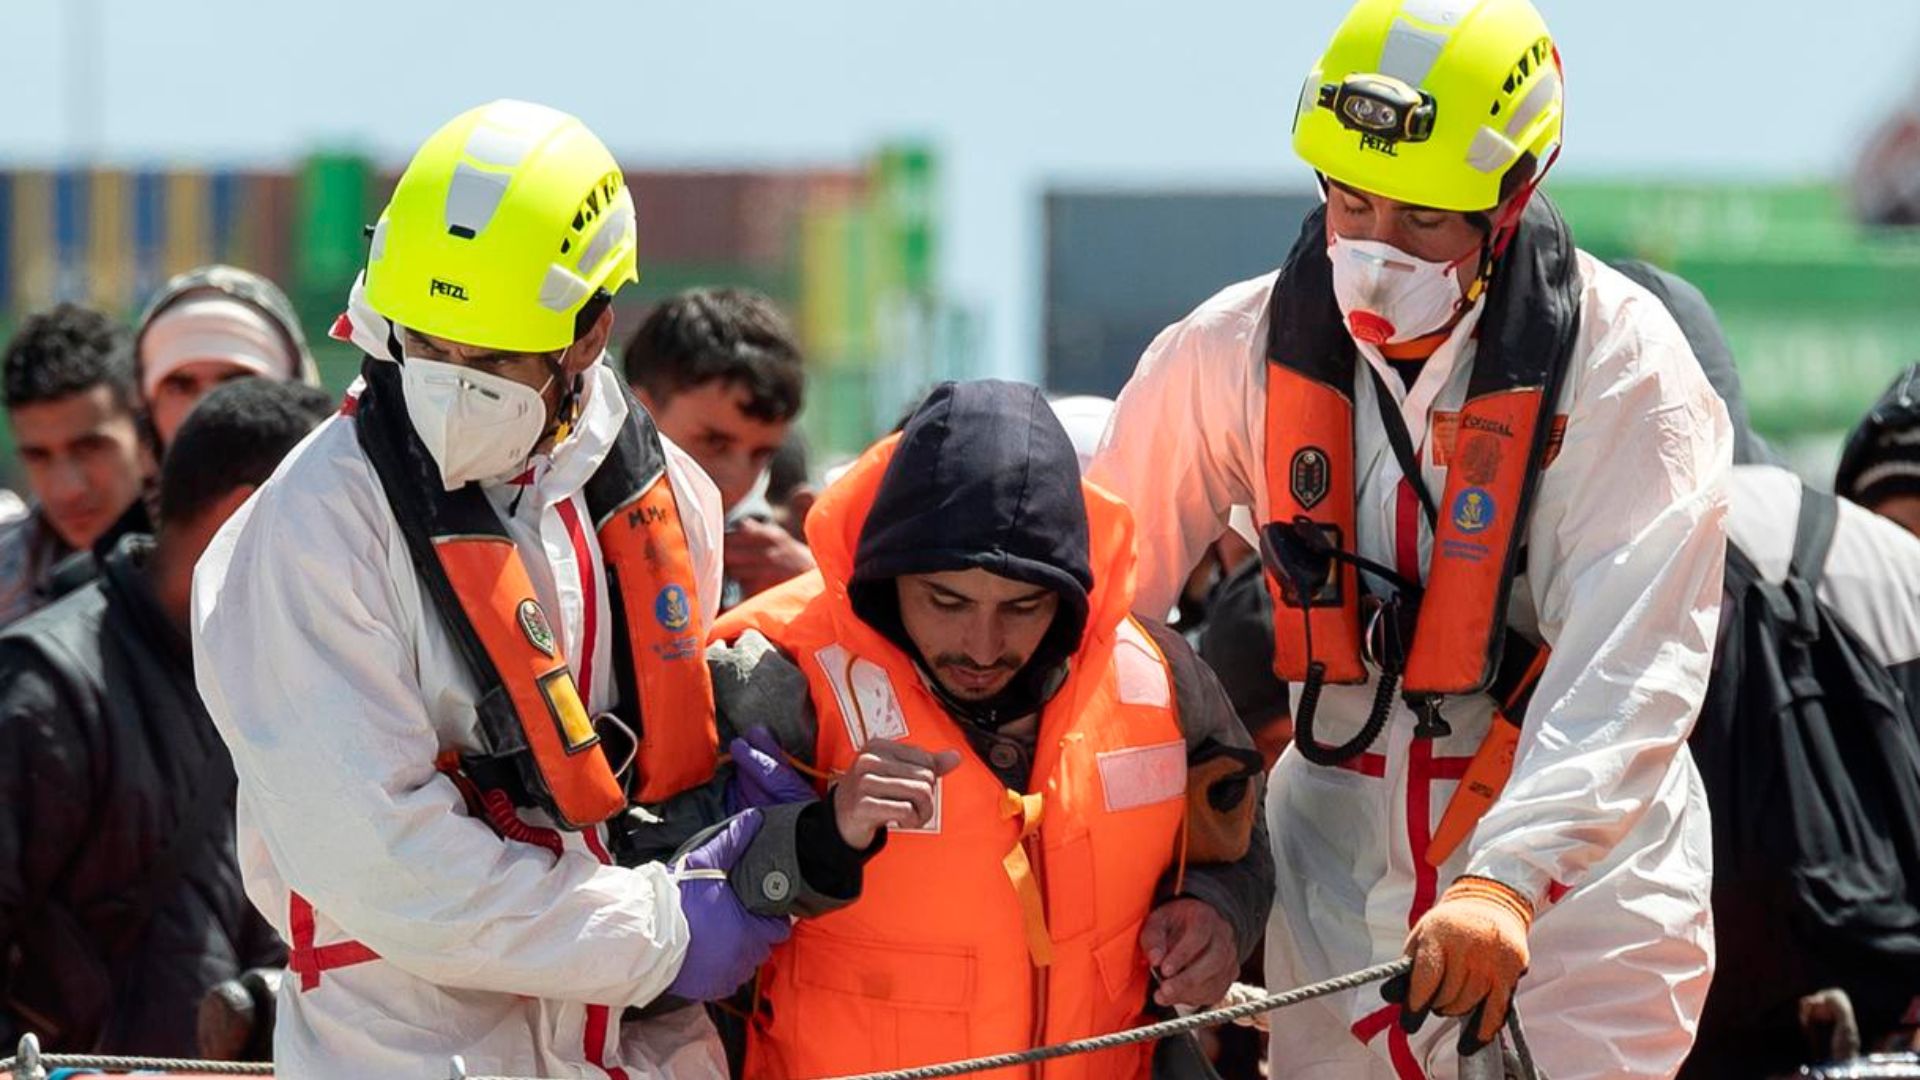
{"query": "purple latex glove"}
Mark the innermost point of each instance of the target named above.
(761, 774)
(727, 942)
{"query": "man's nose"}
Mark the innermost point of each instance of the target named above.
(66, 483)
(985, 643)
(734, 474)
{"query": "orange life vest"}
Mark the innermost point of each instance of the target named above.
(1501, 441)
(1014, 919)
(542, 744)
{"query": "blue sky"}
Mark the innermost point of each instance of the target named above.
(1016, 95)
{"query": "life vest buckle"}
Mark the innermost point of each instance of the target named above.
(622, 749)
(1429, 724)
(1388, 637)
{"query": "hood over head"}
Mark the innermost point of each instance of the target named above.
(982, 477)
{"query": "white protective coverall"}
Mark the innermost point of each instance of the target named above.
(1603, 825)
(332, 680)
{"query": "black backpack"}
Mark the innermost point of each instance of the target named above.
(1811, 761)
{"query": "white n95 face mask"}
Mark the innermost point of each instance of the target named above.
(476, 425)
(1389, 296)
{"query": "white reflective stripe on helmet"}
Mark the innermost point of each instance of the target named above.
(472, 197)
(1438, 12)
(612, 231)
(1494, 151)
(503, 148)
(562, 290)
(1410, 52)
(1543, 93)
(565, 288)
(495, 147)
(1491, 151)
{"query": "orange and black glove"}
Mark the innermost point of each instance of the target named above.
(1468, 952)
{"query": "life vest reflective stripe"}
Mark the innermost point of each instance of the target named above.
(1502, 439)
(936, 960)
(544, 745)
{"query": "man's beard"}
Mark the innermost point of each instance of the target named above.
(1009, 664)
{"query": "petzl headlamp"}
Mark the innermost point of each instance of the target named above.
(1381, 106)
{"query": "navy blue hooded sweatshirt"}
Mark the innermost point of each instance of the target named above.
(984, 478)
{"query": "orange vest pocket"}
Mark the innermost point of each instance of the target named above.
(910, 976)
(908, 1003)
(1122, 966)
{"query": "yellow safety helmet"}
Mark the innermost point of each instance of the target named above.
(507, 222)
(1432, 102)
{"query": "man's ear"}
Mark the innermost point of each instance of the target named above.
(584, 353)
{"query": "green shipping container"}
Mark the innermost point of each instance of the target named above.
(1821, 312)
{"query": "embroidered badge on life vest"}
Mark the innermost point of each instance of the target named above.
(1473, 510)
(533, 623)
(1310, 476)
(672, 608)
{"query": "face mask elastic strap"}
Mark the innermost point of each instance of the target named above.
(563, 411)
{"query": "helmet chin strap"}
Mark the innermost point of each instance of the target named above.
(1491, 244)
(562, 424)
(1500, 231)
(583, 322)
(565, 408)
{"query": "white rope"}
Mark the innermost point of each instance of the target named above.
(114, 1063)
(1239, 994)
(1151, 1032)
(1257, 1002)
(1245, 1005)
